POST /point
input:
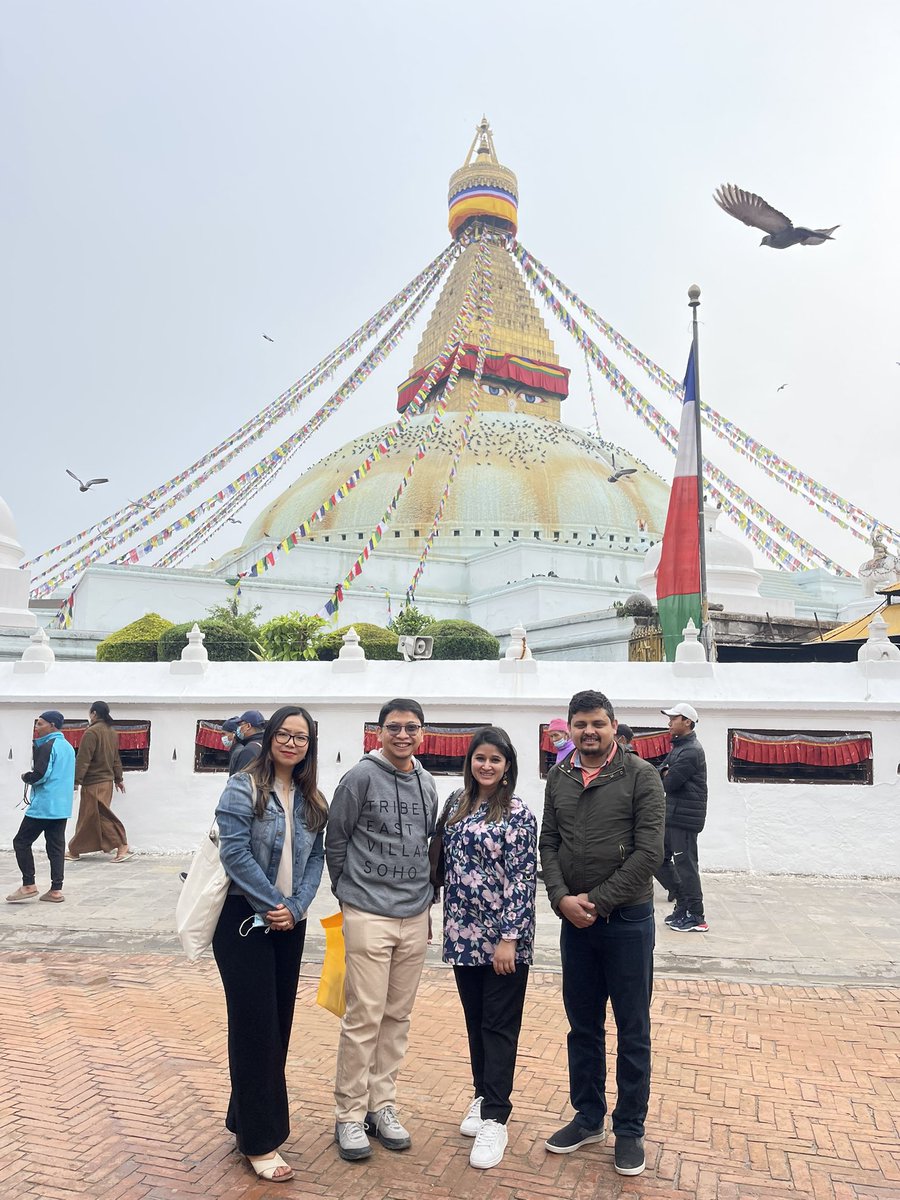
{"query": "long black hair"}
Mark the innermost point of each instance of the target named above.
(499, 803)
(305, 773)
(101, 710)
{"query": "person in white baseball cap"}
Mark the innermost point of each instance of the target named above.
(684, 778)
(682, 710)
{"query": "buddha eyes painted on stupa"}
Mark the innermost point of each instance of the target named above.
(493, 389)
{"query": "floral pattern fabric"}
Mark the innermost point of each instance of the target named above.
(490, 883)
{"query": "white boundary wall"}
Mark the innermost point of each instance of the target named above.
(825, 829)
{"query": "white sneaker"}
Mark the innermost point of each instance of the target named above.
(472, 1121)
(490, 1142)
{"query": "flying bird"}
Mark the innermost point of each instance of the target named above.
(781, 388)
(621, 473)
(234, 520)
(268, 339)
(780, 231)
(82, 486)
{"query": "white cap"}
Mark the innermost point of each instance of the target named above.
(681, 710)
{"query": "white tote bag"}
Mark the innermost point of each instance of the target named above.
(202, 897)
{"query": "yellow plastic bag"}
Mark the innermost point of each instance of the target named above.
(331, 983)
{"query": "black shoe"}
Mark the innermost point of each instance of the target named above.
(675, 915)
(572, 1137)
(688, 923)
(385, 1125)
(630, 1155)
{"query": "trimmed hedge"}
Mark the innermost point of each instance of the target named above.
(378, 643)
(223, 643)
(136, 642)
(462, 639)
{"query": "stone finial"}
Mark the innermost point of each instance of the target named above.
(37, 657)
(518, 644)
(690, 648)
(352, 656)
(351, 648)
(194, 657)
(877, 647)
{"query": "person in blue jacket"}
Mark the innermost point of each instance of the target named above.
(271, 842)
(52, 782)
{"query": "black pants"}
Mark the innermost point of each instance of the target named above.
(680, 872)
(260, 974)
(492, 1005)
(54, 832)
(611, 960)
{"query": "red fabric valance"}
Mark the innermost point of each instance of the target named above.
(546, 377)
(447, 745)
(801, 748)
(209, 736)
(131, 737)
(653, 745)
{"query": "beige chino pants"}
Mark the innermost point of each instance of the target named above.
(385, 956)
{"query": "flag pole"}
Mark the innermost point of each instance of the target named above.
(705, 632)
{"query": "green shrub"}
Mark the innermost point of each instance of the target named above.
(222, 642)
(377, 643)
(243, 622)
(136, 642)
(411, 620)
(462, 639)
(291, 637)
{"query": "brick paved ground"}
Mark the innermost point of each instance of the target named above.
(114, 1085)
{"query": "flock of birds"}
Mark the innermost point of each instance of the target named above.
(780, 233)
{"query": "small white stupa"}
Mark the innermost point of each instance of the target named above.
(14, 582)
(731, 578)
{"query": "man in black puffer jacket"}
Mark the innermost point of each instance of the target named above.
(684, 779)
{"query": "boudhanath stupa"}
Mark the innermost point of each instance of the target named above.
(477, 501)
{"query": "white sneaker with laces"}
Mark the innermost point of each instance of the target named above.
(490, 1142)
(472, 1121)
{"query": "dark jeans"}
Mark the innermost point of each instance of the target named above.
(610, 960)
(680, 872)
(54, 832)
(260, 974)
(492, 1005)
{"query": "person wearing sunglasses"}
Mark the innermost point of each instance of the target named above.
(382, 816)
(271, 821)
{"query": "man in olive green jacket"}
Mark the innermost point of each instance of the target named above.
(601, 841)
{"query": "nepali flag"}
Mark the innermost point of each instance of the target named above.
(678, 573)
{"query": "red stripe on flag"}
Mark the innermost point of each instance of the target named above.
(678, 573)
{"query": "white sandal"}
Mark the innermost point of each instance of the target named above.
(265, 1168)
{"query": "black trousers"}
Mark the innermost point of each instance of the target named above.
(259, 974)
(493, 1005)
(54, 832)
(680, 872)
(611, 960)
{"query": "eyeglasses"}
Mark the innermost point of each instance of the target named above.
(284, 738)
(394, 729)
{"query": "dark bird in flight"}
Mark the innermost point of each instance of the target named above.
(233, 520)
(781, 388)
(621, 473)
(268, 339)
(82, 486)
(780, 231)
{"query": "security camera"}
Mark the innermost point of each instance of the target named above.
(415, 647)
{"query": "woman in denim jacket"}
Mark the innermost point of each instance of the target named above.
(271, 842)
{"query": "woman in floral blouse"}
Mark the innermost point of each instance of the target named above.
(490, 871)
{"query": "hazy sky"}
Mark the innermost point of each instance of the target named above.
(182, 176)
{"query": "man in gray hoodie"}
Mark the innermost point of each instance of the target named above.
(381, 817)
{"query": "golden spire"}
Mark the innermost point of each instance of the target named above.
(483, 195)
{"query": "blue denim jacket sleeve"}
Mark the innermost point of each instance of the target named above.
(234, 814)
(310, 879)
